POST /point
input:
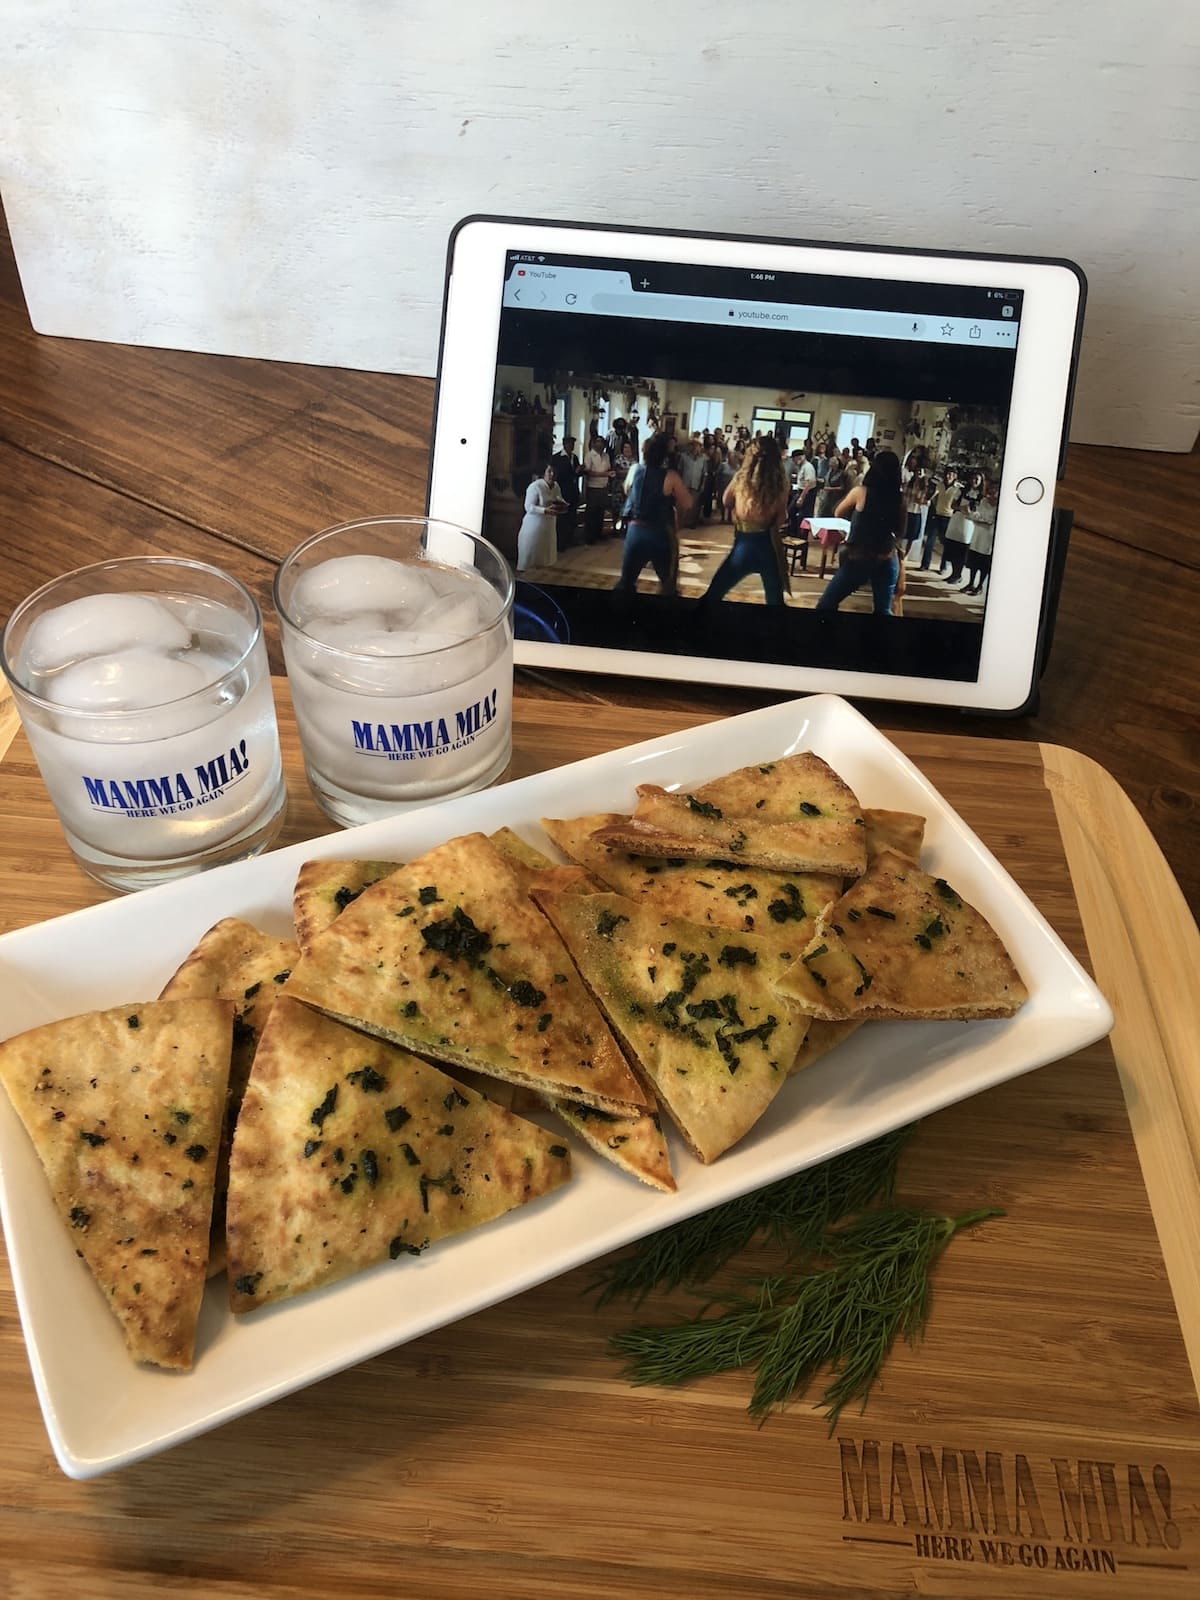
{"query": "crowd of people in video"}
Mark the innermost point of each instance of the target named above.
(879, 516)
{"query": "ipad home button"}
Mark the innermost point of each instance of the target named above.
(1030, 491)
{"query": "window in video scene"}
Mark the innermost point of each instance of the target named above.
(765, 467)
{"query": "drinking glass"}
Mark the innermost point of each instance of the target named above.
(143, 687)
(397, 634)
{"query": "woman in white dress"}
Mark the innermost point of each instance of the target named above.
(537, 538)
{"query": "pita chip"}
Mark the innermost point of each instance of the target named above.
(237, 962)
(780, 908)
(901, 944)
(350, 1151)
(125, 1109)
(694, 1007)
(790, 815)
(633, 1142)
(449, 957)
(324, 889)
(901, 831)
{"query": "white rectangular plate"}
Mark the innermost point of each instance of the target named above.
(102, 1411)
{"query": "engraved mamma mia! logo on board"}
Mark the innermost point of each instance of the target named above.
(993, 1508)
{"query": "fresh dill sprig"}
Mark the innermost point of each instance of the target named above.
(867, 1284)
(795, 1212)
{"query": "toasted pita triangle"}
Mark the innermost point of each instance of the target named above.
(325, 888)
(635, 1142)
(777, 907)
(902, 831)
(694, 1006)
(450, 958)
(791, 815)
(234, 961)
(512, 845)
(124, 1108)
(821, 1038)
(350, 1151)
(900, 944)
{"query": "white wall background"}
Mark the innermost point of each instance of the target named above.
(277, 178)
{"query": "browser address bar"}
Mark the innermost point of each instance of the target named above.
(761, 314)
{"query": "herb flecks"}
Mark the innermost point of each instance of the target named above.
(788, 907)
(457, 936)
(367, 1079)
(704, 808)
(608, 922)
(400, 1246)
(319, 1113)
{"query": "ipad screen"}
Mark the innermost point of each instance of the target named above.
(833, 377)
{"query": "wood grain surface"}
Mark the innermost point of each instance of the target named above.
(507, 1454)
(111, 450)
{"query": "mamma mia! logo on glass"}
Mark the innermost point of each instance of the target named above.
(434, 736)
(170, 793)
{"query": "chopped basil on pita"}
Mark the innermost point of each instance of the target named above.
(350, 1152)
(694, 1007)
(125, 1108)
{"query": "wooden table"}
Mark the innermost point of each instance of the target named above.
(506, 1455)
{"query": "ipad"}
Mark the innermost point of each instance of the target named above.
(614, 403)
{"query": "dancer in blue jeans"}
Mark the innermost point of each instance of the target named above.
(757, 497)
(876, 512)
(656, 494)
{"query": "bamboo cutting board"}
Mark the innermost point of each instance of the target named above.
(1044, 1438)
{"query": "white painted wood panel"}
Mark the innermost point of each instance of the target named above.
(279, 179)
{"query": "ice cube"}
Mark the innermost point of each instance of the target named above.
(99, 625)
(211, 668)
(130, 681)
(410, 663)
(349, 585)
(460, 615)
(349, 634)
